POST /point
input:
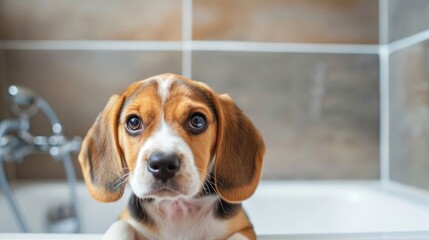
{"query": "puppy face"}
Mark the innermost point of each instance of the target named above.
(166, 135)
(167, 132)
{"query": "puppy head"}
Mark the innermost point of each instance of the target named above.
(162, 135)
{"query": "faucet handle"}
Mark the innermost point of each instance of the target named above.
(24, 102)
(14, 149)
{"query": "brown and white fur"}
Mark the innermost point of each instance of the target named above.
(213, 156)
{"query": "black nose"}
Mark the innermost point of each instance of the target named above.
(163, 165)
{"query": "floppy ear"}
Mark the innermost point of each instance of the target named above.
(239, 153)
(100, 156)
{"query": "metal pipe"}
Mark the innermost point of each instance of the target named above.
(12, 201)
(50, 114)
(11, 125)
(71, 178)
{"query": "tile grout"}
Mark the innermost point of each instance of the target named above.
(384, 141)
(233, 46)
(383, 21)
(187, 38)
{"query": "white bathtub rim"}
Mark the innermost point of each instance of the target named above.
(349, 236)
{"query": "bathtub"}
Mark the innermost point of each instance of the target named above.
(278, 210)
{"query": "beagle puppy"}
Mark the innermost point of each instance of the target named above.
(189, 155)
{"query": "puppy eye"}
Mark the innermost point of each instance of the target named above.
(197, 123)
(134, 123)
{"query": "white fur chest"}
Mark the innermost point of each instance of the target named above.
(188, 219)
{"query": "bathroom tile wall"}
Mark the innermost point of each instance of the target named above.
(78, 84)
(318, 113)
(409, 115)
(407, 17)
(321, 21)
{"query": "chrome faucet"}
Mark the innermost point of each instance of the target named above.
(16, 142)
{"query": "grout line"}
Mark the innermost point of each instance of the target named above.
(187, 38)
(384, 148)
(189, 45)
(284, 47)
(187, 60)
(383, 21)
(408, 41)
(384, 114)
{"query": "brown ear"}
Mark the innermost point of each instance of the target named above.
(100, 156)
(239, 153)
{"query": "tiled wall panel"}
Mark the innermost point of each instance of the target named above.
(78, 84)
(321, 21)
(407, 17)
(90, 20)
(318, 113)
(409, 116)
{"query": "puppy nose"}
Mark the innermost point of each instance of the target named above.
(163, 165)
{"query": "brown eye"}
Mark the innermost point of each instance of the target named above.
(197, 123)
(134, 124)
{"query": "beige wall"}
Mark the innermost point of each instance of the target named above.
(93, 20)
(321, 21)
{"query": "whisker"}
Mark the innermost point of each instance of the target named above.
(121, 177)
(121, 180)
(207, 175)
(208, 180)
(204, 188)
